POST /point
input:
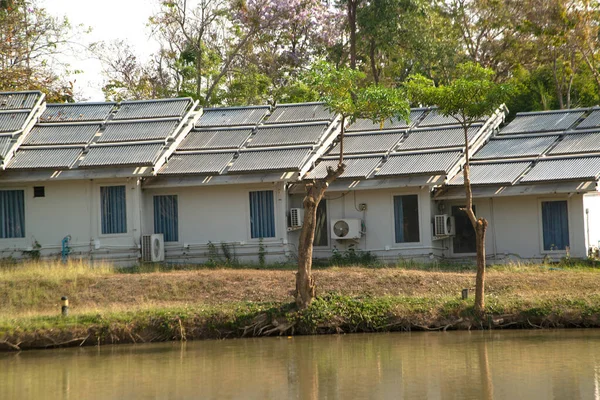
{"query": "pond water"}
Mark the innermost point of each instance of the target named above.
(561, 364)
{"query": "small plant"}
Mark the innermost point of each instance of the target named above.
(261, 252)
(213, 255)
(34, 253)
(354, 257)
(228, 253)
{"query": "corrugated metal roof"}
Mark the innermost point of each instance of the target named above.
(393, 123)
(437, 138)
(5, 145)
(12, 121)
(215, 139)
(60, 158)
(204, 163)
(48, 134)
(281, 135)
(493, 173)
(302, 112)
(153, 108)
(375, 142)
(137, 130)
(434, 118)
(232, 116)
(515, 147)
(591, 121)
(416, 164)
(270, 160)
(564, 169)
(18, 100)
(578, 143)
(73, 112)
(133, 154)
(542, 121)
(356, 168)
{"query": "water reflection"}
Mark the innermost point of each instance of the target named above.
(445, 366)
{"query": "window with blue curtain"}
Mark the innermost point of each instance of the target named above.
(113, 208)
(12, 214)
(406, 218)
(555, 225)
(262, 214)
(166, 219)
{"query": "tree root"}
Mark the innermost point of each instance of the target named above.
(262, 326)
(82, 340)
(11, 345)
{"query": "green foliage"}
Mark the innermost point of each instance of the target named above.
(261, 253)
(353, 257)
(34, 253)
(470, 96)
(346, 92)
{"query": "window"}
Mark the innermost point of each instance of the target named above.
(113, 209)
(406, 218)
(166, 220)
(555, 225)
(39, 191)
(321, 233)
(12, 214)
(465, 240)
(262, 214)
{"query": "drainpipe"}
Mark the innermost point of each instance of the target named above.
(65, 249)
(587, 228)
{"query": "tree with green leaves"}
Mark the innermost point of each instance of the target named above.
(344, 92)
(470, 97)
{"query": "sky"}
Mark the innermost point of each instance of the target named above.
(109, 20)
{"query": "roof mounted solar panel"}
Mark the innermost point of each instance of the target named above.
(419, 163)
(35, 158)
(434, 118)
(288, 134)
(290, 159)
(573, 143)
(133, 131)
(197, 163)
(13, 121)
(122, 155)
(371, 142)
(76, 112)
(162, 108)
(507, 147)
(591, 121)
(301, 112)
(205, 139)
(5, 145)
(19, 100)
(434, 138)
(232, 116)
(57, 134)
(390, 123)
(493, 173)
(546, 121)
(564, 169)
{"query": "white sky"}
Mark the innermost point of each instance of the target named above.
(109, 20)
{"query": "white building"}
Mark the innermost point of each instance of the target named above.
(95, 179)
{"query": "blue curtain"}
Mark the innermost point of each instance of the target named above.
(399, 219)
(12, 214)
(555, 225)
(262, 214)
(166, 219)
(113, 209)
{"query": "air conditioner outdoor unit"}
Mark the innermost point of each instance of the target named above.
(444, 225)
(296, 217)
(346, 229)
(153, 248)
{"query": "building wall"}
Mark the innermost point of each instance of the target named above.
(220, 215)
(591, 203)
(73, 208)
(515, 227)
(378, 219)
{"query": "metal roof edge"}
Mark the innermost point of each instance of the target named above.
(35, 114)
(327, 138)
(228, 108)
(275, 125)
(546, 112)
(157, 100)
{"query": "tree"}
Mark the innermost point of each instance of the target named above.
(30, 41)
(471, 96)
(343, 93)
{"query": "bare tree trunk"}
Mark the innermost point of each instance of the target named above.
(352, 5)
(374, 69)
(480, 226)
(305, 284)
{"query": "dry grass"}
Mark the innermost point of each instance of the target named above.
(35, 288)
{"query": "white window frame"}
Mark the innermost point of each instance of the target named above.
(541, 226)
(393, 219)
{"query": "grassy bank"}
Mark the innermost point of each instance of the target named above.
(111, 306)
